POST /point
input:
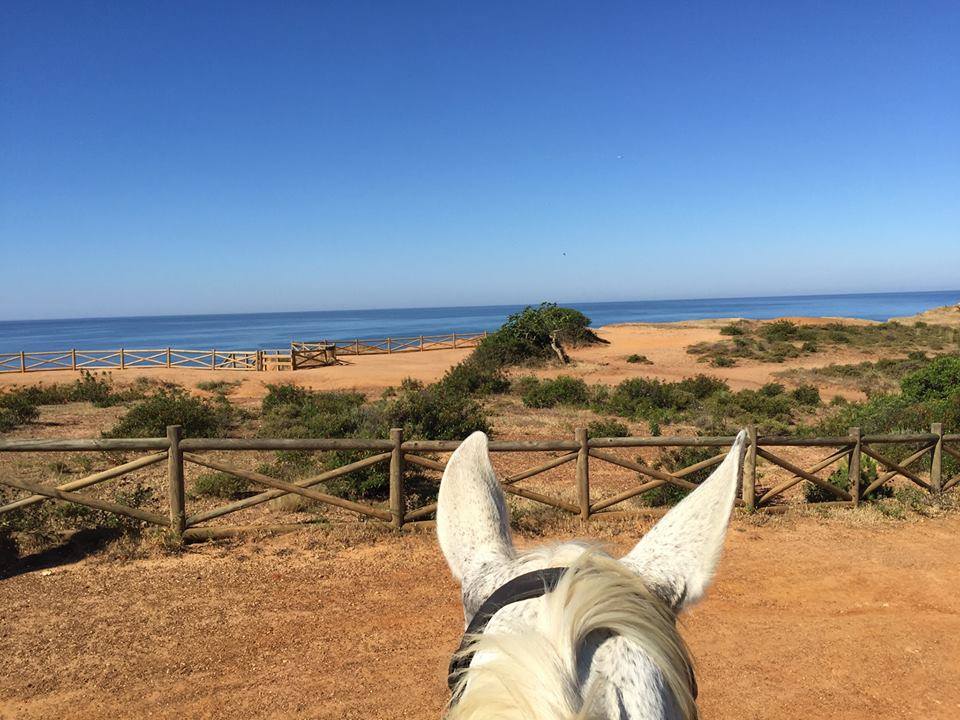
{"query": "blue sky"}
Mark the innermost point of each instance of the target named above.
(197, 157)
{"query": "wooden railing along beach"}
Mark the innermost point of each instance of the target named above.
(300, 355)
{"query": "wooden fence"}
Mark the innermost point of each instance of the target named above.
(581, 452)
(307, 354)
(300, 355)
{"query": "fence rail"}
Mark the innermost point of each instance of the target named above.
(582, 452)
(300, 355)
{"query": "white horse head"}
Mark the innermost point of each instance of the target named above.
(603, 643)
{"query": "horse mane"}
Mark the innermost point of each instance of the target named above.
(531, 673)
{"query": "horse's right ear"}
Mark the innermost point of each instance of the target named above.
(473, 525)
(679, 555)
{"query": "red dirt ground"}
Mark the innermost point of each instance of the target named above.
(849, 617)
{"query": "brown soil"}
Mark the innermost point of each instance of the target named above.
(854, 618)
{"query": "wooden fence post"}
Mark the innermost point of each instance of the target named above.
(388, 346)
(853, 466)
(356, 346)
(169, 357)
(421, 343)
(454, 341)
(23, 362)
(213, 359)
(750, 470)
(936, 459)
(397, 499)
(73, 359)
(123, 362)
(178, 512)
(583, 474)
(259, 360)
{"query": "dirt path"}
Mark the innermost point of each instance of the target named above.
(809, 618)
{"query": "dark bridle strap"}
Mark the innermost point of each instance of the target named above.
(528, 586)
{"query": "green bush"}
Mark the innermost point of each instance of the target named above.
(671, 461)
(938, 380)
(294, 412)
(44, 522)
(736, 328)
(639, 359)
(841, 479)
(475, 376)
(221, 387)
(806, 395)
(781, 330)
(654, 399)
(220, 485)
(607, 428)
(16, 408)
(174, 406)
(435, 412)
(562, 390)
(723, 361)
(526, 336)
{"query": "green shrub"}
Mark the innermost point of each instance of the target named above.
(654, 399)
(736, 328)
(673, 460)
(221, 387)
(292, 411)
(16, 408)
(174, 406)
(639, 359)
(527, 336)
(44, 522)
(723, 361)
(607, 428)
(938, 380)
(523, 384)
(841, 479)
(435, 411)
(475, 376)
(563, 390)
(780, 330)
(806, 395)
(220, 485)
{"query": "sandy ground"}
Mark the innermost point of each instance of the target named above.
(663, 343)
(854, 618)
(946, 315)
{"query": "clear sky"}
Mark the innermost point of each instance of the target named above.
(187, 157)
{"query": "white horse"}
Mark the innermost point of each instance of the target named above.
(599, 638)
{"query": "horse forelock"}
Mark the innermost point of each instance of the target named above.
(536, 663)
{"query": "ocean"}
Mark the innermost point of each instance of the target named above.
(251, 331)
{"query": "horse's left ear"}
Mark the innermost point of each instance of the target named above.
(473, 525)
(679, 555)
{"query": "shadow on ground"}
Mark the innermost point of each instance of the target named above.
(75, 548)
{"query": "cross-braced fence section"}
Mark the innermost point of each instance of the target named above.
(914, 458)
(384, 346)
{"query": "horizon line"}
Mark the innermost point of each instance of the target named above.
(465, 307)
